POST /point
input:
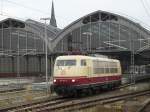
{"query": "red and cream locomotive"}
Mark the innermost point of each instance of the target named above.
(74, 74)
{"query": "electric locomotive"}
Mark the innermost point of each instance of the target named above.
(74, 74)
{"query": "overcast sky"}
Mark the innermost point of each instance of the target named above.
(67, 11)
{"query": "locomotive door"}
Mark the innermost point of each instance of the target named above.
(88, 68)
(85, 67)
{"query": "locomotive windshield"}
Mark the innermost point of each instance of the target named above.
(66, 62)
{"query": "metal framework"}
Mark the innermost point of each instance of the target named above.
(98, 32)
(106, 33)
(22, 47)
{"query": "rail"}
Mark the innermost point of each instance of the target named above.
(146, 103)
(70, 104)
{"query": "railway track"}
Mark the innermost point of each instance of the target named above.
(72, 104)
(145, 107)
(24, 106)
(12, 90)
(125, 85)
(96, 101)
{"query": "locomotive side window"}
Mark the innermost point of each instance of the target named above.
(66, 62)
(83, 62)
(98, 67)
(60, 63)
(114, 68)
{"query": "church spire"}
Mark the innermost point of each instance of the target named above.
(53, 20)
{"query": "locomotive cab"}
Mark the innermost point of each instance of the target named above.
(69, 69)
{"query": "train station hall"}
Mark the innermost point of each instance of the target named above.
(22, 43)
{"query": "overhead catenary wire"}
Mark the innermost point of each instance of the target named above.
(3, 13)
(27, 7)
(1, 7)
(62, 18)
(143, 24)
(145, 8)
(147, 3)
(31, 9)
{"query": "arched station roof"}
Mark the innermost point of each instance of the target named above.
(103, 16)
(10, 22)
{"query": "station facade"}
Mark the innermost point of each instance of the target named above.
(22, 43)
(109, 34)
(22, 47)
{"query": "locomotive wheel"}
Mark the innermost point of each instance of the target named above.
(95, 90)
(90, 92)
(75, 93)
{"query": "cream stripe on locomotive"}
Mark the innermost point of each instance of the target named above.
(86, 66)
(106, 68)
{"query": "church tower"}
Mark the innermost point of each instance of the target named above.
(53, 20)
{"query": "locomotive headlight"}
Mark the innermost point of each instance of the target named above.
(54, 80)
(73, 80)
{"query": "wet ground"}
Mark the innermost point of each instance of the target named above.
(28, 94)
(128, 105)
(31, 93)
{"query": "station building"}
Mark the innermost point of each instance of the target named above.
(108, 34)
(22, 51)
(22, 46)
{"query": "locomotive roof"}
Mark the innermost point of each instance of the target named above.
(86, 57)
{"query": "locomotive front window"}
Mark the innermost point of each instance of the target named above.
(66, 62)
(70, 62)
(60, 63)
